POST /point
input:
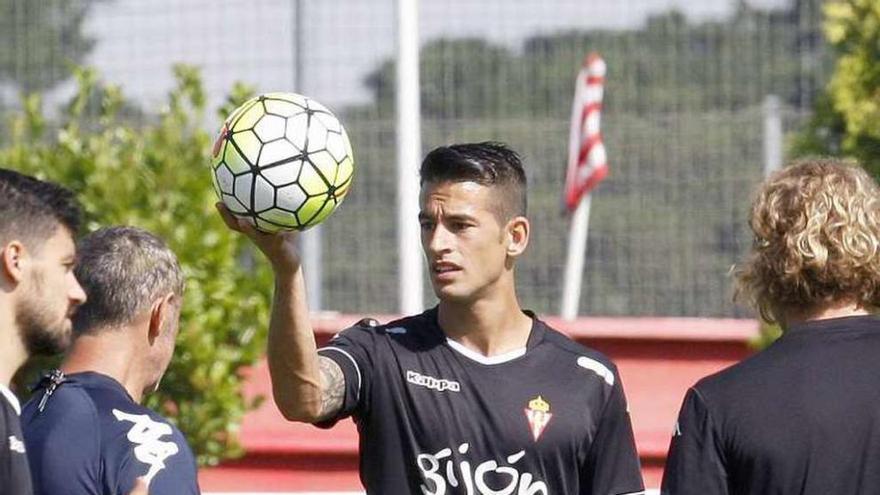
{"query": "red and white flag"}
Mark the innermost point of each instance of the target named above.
(587, 163)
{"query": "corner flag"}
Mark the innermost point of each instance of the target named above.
(587, 163)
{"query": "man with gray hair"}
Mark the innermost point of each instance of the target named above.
(85, 430)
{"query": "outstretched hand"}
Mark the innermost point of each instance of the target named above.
(280, 248)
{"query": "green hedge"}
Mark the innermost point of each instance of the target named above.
(151, 171)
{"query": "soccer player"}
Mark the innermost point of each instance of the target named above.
(38, 221)
(800, 416)
(474, 396)
(85, 430)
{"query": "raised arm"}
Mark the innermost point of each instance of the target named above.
(306, 387)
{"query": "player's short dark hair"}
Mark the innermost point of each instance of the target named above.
(31, 210)
(122, 271)
(488, 163)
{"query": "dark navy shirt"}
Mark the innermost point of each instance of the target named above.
(436, 418)
(800, 417)
(15, 479)
(92, 438)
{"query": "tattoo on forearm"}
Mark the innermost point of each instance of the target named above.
(332, 387)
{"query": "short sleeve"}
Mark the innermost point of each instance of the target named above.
(613, 463)
(352, 349)
(695, 463)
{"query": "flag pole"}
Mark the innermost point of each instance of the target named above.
(587, 166)
(409, 148)
(574, 263)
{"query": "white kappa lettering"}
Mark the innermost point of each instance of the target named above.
(146, 435)
(16, 445)
(474, 480)
(437, 384)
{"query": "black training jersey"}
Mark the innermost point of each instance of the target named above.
(15, 478)
(800, 417)
(92, 438)
(435, 418)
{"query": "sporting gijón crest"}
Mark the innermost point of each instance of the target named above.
(539, 415)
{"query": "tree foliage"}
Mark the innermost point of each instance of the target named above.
(666, 65)
(154, 175)
(38, 40)
(847, 117)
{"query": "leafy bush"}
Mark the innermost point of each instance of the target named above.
(152, 172)
(847, 118)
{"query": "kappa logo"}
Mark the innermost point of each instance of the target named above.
(146, 434)
(437, 384)
(15, 444)
(539, 415)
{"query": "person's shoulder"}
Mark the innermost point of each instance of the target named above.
(409, 323)
(407, 327)
(113, 408)
(104, 393)
(733, 382)
(68, 403)
(69, 417)
(566, 345)
(588, 360)
(413, 325)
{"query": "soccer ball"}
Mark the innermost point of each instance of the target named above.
(283, 161)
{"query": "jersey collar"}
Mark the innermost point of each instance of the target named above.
(95, 379)
(476, 356)
(844, 323)
(536, 334)
(11, 398)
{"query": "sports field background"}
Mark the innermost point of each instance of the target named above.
(684, 116)
(691, 86)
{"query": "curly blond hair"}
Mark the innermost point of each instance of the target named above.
(817, 240)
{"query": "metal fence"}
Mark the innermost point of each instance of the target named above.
(683, 119)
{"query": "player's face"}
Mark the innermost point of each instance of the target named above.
(49, 295)
(463, 240)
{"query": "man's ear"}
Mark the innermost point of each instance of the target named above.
(160, 311)
(12, 259)
(517, 236)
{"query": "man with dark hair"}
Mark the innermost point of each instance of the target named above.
(38, 222)
(488, 164)
(474, 396)
(800, 416)
(85, 430)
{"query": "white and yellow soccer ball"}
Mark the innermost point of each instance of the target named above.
(283, 161)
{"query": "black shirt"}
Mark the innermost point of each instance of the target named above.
(92, 438)
(435, 418)
(800, 417)
(15, 478)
